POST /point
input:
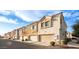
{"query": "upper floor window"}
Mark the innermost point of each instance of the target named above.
(33, 27)
(42, 24)
(47, 23)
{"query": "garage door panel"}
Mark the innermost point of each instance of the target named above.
(21, 38)
(47, 38)
(34, 38)
(25, 37)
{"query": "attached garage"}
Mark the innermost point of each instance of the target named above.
(47, 39)
(26, 37)
(21, 38)
(34, 38)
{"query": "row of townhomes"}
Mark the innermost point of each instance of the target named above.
(47, 29)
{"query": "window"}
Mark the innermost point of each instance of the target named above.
(47, 23)
(33, 27)
(42, 24)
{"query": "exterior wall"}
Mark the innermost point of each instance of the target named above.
(35, 30)
(34, 38)
(13, 34)
(51, 31)
(20, 33)
(54, 27)
(57, 28)
(17, 34)
(47, 38)
(28, 31)
(63, 28)
(8, 35)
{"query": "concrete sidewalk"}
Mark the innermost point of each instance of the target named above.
(36, 43)
(44, 44)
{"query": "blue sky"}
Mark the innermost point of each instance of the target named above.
(12, 19)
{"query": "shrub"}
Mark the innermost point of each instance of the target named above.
(26, 39)
(66, 40)
(52, 43)
(22, 40)
(9, 38)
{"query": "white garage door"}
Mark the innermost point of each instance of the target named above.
(21, 38)
(34, 38)
(25, 37)
(47, 38)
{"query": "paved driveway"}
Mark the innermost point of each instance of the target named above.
(9, 44)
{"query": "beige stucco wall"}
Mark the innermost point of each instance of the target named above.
(8, 35)
(34, 31)
(63, 28)
(28, 31)
(54, 30)
(51, 30)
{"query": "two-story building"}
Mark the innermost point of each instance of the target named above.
(47, 29)
(7, 35)
(14, 34)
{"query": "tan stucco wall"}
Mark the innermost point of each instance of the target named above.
(28, 31)
(51, 30)
(63, 28)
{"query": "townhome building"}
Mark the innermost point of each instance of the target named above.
(47, 29)
(27, 32)
(7, 35)
(21, 33)
(14, 34)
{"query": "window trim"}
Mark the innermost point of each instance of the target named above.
(47, 23)
(33, 27)
(42, 24)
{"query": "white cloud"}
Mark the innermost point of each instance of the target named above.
(36, 13)
(5, 12)
(6, 20)
(23, 16)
